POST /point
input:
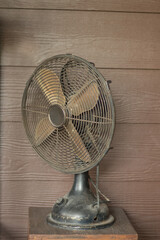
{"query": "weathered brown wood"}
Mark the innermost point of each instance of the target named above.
(101, 5)
(135, 92)
(113, 40)
(89, 237)
(130, 173)
(19, 195)
(135, 156)
(40, 230)
(140, 200)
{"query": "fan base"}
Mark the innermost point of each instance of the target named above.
(99, 225)
(79, 208)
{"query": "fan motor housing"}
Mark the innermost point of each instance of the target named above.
(57, 115)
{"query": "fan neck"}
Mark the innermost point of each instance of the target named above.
(80, 184)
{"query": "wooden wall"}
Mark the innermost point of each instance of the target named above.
(122, 38)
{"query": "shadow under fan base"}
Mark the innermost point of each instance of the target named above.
(79, 209)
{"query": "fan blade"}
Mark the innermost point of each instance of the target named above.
(84, 100)
(78, 144)
(50, 86)
(43, 129)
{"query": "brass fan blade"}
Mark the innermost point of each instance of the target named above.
(43, 129)
(50, 86)
(78, 144)
(84, 100)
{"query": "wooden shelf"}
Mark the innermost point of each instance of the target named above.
(40, 230)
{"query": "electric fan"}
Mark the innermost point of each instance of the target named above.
(68, 116)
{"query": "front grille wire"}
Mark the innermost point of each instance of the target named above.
(76, 85)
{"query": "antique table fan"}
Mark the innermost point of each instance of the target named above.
(68, 116)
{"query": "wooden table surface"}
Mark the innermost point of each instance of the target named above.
(40, 230)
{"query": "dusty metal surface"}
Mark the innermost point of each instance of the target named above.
(80, 209)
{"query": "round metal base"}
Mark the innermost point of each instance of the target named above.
(99, 225)
(79, 209)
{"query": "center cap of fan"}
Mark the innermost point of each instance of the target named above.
(57, 115)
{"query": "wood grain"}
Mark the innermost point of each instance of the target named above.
(142, 207)
(93, 5)
(127, 46)
(135, 156)
(39, 229)
(112, 40)
(136, 93)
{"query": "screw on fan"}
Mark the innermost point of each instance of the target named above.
(61, 109)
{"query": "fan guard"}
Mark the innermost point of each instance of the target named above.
(68, 113)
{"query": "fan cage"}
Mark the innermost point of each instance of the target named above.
(93, 128)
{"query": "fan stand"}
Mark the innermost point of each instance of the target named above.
(80, 209)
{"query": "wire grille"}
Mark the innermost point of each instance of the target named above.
(81, 91)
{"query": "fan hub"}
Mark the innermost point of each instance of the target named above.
(57, 115)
